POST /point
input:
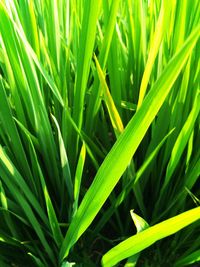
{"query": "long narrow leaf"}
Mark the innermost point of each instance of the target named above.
(147, 237)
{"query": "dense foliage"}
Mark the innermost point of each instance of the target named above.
(99, 133)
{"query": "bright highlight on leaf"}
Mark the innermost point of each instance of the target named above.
(147, 237)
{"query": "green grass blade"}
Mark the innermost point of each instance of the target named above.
(6, 19)
(4, 203)
(141, 225)
(8, 123)
(190, 259)
(146, 238)
(103, 57)
(53, 221)
(78, 177)
(14, 176)
(182, 140)
(161, 26)
(113, 113)
(85, 52)
(127, 189)
(26, 207)
(64, 161)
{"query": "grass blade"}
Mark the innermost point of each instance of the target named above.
(147, 237)
(182, 140)
(190, 259)
(161, 26)
(113, 113)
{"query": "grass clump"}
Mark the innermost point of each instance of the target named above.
(99, 115)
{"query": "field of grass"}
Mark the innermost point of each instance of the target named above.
(99, 133)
